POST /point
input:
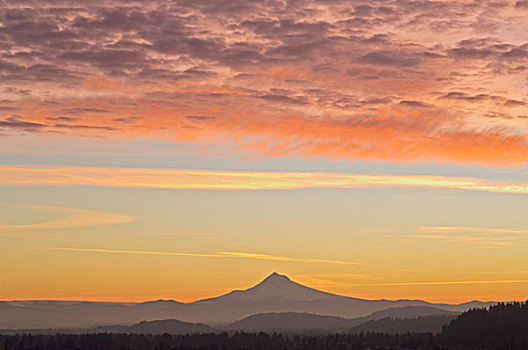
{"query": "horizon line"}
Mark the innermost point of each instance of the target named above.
(284, 275)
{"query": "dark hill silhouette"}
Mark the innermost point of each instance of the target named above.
(390, 319)
(421, 324)
(279, 322)
(408, 312)
(288, 321)
(236, 340)
(170, 326)
(158, 327)
(502, 326)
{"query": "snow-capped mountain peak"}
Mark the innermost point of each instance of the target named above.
(273, 287)
(275, 279)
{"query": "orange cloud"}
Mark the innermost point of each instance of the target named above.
(392, 134)
(320, 80)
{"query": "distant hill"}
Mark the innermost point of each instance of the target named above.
(408, 312)
(420, 324)
(288, 321)
(274, 321)
(276, 293)
(158, 327)
(394, 320)
(170, 326)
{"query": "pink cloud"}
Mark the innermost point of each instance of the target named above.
(396, 80)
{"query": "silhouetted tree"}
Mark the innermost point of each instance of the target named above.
(501, 326)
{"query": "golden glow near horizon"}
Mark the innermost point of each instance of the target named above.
(375, 161)
(99, 259)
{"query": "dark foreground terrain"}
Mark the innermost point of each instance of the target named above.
(218, 341)
(503, 326)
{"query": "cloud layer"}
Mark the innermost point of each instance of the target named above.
(386, 80)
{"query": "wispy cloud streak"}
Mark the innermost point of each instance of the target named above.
(480, 236)
(450, 229)
(439, 283)
(344, 283)
(224, 255)
(236, 180)
(282, 258)
(73, 217)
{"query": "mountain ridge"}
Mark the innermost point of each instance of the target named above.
(275, 293)
(273, 286)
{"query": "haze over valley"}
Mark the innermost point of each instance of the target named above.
(275, 303)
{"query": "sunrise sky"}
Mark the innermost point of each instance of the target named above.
(182, 149)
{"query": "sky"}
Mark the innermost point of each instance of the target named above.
(183, 149)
